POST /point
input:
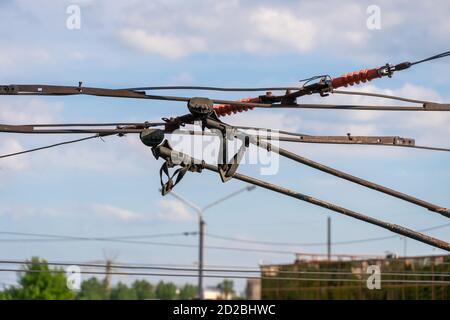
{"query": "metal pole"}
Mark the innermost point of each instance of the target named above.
(200, 257)
(329, 238)
(201, 229)
(404, 246)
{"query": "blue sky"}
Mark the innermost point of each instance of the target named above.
(110, 188)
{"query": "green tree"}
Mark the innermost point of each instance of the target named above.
(93, 289)
(144, 290)
(166, 291)
(38, 282)
(188, 292)
(226, 288)
(8, 294)
(122, 292)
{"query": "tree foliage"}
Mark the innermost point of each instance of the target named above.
(122, 292)
(226, 288)
(188, 291)
(39, 282)
(166, 291)
(144, 290)
(93, 289)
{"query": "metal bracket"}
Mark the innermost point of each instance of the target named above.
(436, 106)
(227, 170)
(8, 89)
(178, 174)
(201, 107)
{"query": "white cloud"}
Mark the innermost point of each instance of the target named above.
(170, 46)
(13, 55)
(229, 27)
(10, 145)
(165, 210)
(25, 211)
(173, 210)
(108, 210)
(278, 29)
(182, 78)
(284, 120)
(77, 55)
(179, 28)
(34, 110)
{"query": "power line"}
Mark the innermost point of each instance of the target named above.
(61, 237)
(48, 147)
(123, 239)
(181, 245)
(438, 56)
(220, 270)
(271, 243)
(224, 276)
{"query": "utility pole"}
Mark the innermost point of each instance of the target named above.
(201, 257)
(404, 246)
(202, 227)
(329, 238)
(108, 276)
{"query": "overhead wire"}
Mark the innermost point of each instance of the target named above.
(271, 243)
(228, 276)
(183, 245)
(54, 237)
(438, 56)
(262, 270)
(47, 147)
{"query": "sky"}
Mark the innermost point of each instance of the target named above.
(110, 188)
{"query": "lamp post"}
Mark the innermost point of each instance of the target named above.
(201, 227)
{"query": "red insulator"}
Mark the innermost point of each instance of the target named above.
(352, 78)
(226, 109)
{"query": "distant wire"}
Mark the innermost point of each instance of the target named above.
(318, 243)
(189, 233)
(47, 147)
(222, 270)
(388, 237)
(63, 237)
(181, 245)
(378, 95)
(438, 56)
(424, 148)
(225, 276)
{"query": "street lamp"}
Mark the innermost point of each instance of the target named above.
(201, 224)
